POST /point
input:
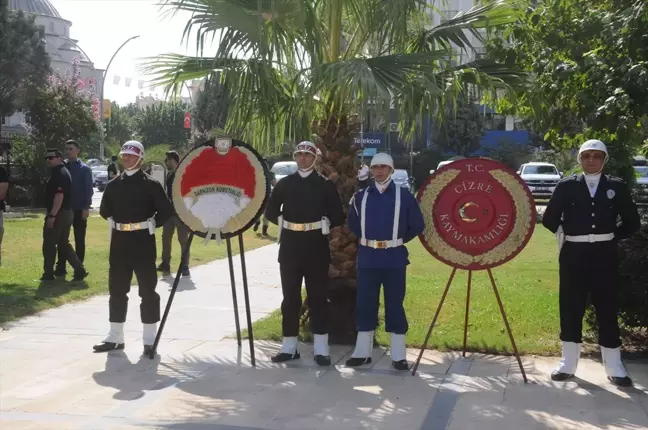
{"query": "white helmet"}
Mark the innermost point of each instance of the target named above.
(307, 147)
(133, 147)
(594, 145)
(382, 159)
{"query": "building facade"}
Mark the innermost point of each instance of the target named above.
(63, 51)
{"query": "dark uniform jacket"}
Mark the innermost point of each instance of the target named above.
(304, 200)
(60, 181)
(580, 214)
(136, 198)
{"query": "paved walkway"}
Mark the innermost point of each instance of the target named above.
(50, 379)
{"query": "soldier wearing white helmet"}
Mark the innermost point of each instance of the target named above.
(304, 205)
(385, 217)
(135, 204)
(583, 213)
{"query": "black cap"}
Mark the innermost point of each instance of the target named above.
(173, 155)
(53, 152)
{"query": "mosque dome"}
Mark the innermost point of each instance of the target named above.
(37, 7)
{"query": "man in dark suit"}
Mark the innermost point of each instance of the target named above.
(583, 213)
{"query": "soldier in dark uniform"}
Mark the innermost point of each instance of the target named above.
(583, 213)
(311, 206)
(135, 204)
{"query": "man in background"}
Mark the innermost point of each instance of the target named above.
(58, 221)
(4, 190)
(80, 202)
(273, 183)
(172, 161)
(112, 169)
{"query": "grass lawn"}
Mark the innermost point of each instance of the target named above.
(528, 287)
(21, 292)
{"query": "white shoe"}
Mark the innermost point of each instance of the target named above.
(321, 346)
(397, 347)
(614, 368)
(289, 345)
(569, 361)
(116, 333)
(149, 332)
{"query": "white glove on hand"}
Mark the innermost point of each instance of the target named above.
(363, 173)
(151, 223)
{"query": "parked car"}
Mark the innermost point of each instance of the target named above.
(642, 183)
(401, 178)
(281, 169)
(541, 178)
(100, 177)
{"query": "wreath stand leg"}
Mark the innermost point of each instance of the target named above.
(508, 327)
(247, 301)
(233, 283)
(176, 281)
(501, 306)
(467, 311)
(436, 315)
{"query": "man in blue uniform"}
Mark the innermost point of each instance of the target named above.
(583, 213)
(385, 217)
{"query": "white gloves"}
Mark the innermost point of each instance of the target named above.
(363, 173)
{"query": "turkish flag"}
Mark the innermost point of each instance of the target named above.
(187, 120)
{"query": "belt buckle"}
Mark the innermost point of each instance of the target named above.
(380, 244)
(137, 226)
(299, 227)
(125, 227)
(591, 238)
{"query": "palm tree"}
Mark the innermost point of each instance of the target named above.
(304, 69)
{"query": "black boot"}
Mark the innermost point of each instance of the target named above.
(620, 381)
(47, 277)
(185, 271)
(256, 226)
(357, 361)
(400, 365)
(148, 350)
(164, 268)
(60, 272)
(559, 376)
(264, 230)
(284, 356)
(323, 360)
(80, 275)
(108, 346)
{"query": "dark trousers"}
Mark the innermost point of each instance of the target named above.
(133, 252)
(368, 299)
(171, 226)
(315, 274)
(80, 226)
(59, 237)
(589, 268)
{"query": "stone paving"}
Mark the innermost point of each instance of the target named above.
(50, 379)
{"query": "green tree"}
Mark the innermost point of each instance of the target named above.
(462, 129)
(162, 123)
(590, 59)
(24, 64)
(120, 127)
(294, 68)
(210, 111)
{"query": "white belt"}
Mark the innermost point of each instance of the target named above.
(145, 225)
(590, 238)
(302, 227)
(381, 244)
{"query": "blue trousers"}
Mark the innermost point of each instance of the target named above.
(368, 299)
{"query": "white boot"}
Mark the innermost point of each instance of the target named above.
(289, 345)
(397, 347)
(364, 345)
(612, 361)
(148, 333)
(569, 361)
(116, 334)
(321, 346)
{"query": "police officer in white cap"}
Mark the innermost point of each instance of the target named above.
(304, 205)
(583, 213)
(385, 217)
(134, 204)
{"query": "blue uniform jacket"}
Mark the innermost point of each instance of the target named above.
(81, 185)
(379, 226)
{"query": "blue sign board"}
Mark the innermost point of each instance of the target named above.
(369, 152)
(376, 140)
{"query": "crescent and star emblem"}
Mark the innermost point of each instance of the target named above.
(462, 212)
